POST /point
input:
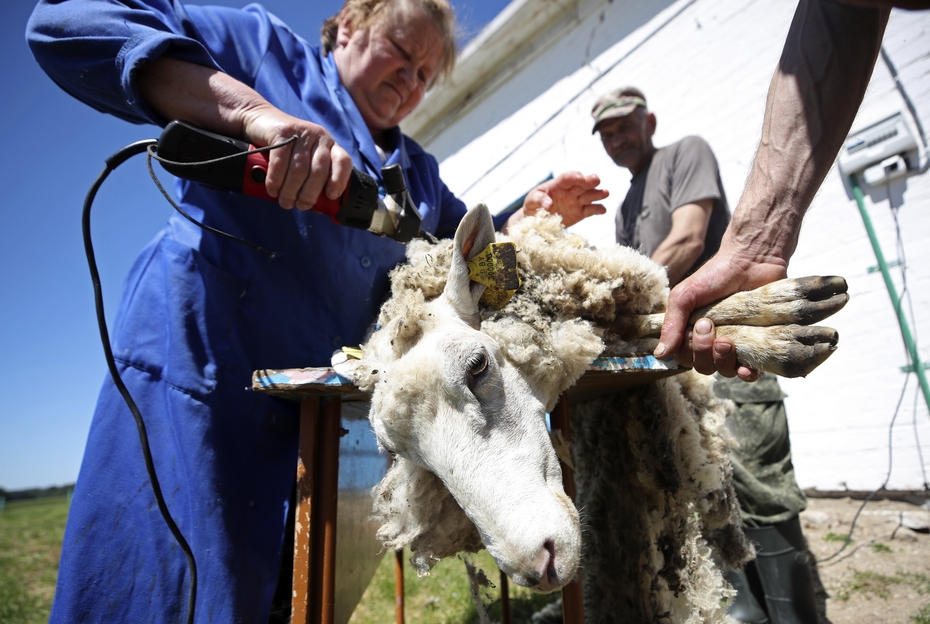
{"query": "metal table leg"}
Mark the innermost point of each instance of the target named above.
(399, 585)
(315, 528)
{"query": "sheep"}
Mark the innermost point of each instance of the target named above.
(460, 392)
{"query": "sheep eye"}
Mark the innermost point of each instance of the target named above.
(477, 365)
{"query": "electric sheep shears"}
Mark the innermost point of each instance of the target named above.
(229, 164)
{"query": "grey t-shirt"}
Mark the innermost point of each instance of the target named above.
(681, 173)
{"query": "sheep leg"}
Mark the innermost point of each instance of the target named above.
(636, 326)
(785, 350)
(800, 301)
(803, 301)
(769, 326)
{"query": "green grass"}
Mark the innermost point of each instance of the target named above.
(836, 537)
(922, 616)
(443, 596)
(31, 533)
(917, 580)
(873, 584)
(30, 546)
(880, 548)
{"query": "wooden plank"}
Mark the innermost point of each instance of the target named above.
(610, 374)
(399, 586)
(604, 375)
(297, 383)
(505, 599)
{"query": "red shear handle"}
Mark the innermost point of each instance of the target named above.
(188, 148)
(253, 183)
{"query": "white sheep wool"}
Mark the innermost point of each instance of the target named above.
(659, 517)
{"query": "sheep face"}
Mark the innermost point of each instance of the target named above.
(446, 398)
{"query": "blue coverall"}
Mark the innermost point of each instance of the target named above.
(199, 313)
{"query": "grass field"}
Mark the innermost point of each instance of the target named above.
(30, 546)
(443, 596)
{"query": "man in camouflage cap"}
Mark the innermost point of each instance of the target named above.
(676, 212)
(618, 103)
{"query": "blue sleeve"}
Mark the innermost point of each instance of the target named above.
(92, 48)
(501, 219)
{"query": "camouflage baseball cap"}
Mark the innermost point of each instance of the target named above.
(618, 103)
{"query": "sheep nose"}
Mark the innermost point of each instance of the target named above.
(545, 567)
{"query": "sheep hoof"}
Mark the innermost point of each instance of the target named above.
(784, 350)
(802, 301)
(814, 311)
(822, 297)
(818, 288)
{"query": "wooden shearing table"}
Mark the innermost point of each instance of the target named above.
(338, 464)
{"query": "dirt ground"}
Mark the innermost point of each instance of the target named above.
(883, 575)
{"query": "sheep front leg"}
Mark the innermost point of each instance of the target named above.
(804, 301)
(800, 301)
(785, 350)
(768, 325)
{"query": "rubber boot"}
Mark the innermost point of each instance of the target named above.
(783, 564)
(745, 607)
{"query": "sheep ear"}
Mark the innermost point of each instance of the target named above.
(475, 232)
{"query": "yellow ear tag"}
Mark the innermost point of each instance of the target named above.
(352, 353)
(496, 268)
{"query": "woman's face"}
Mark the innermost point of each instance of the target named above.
(387, 67)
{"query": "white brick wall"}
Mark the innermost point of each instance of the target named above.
(705, 66)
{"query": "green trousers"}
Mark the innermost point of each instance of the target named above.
(763, 474)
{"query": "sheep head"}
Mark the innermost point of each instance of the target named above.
(446, 398)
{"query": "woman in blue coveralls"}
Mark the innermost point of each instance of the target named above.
(199, 313)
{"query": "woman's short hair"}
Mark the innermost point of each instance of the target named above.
(366, 13)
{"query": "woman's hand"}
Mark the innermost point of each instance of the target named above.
(298, 173)
(572, 195)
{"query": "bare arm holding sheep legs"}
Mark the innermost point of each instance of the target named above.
(812, 101)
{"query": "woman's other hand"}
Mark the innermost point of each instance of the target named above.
(572, 195)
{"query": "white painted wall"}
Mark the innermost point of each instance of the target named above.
(704, 66)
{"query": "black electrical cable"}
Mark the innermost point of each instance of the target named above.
(852, 526)
(905, 294)
(152, 153)
(150, 147)
(111, 164)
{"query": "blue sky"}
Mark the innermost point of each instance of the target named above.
(50, 355)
